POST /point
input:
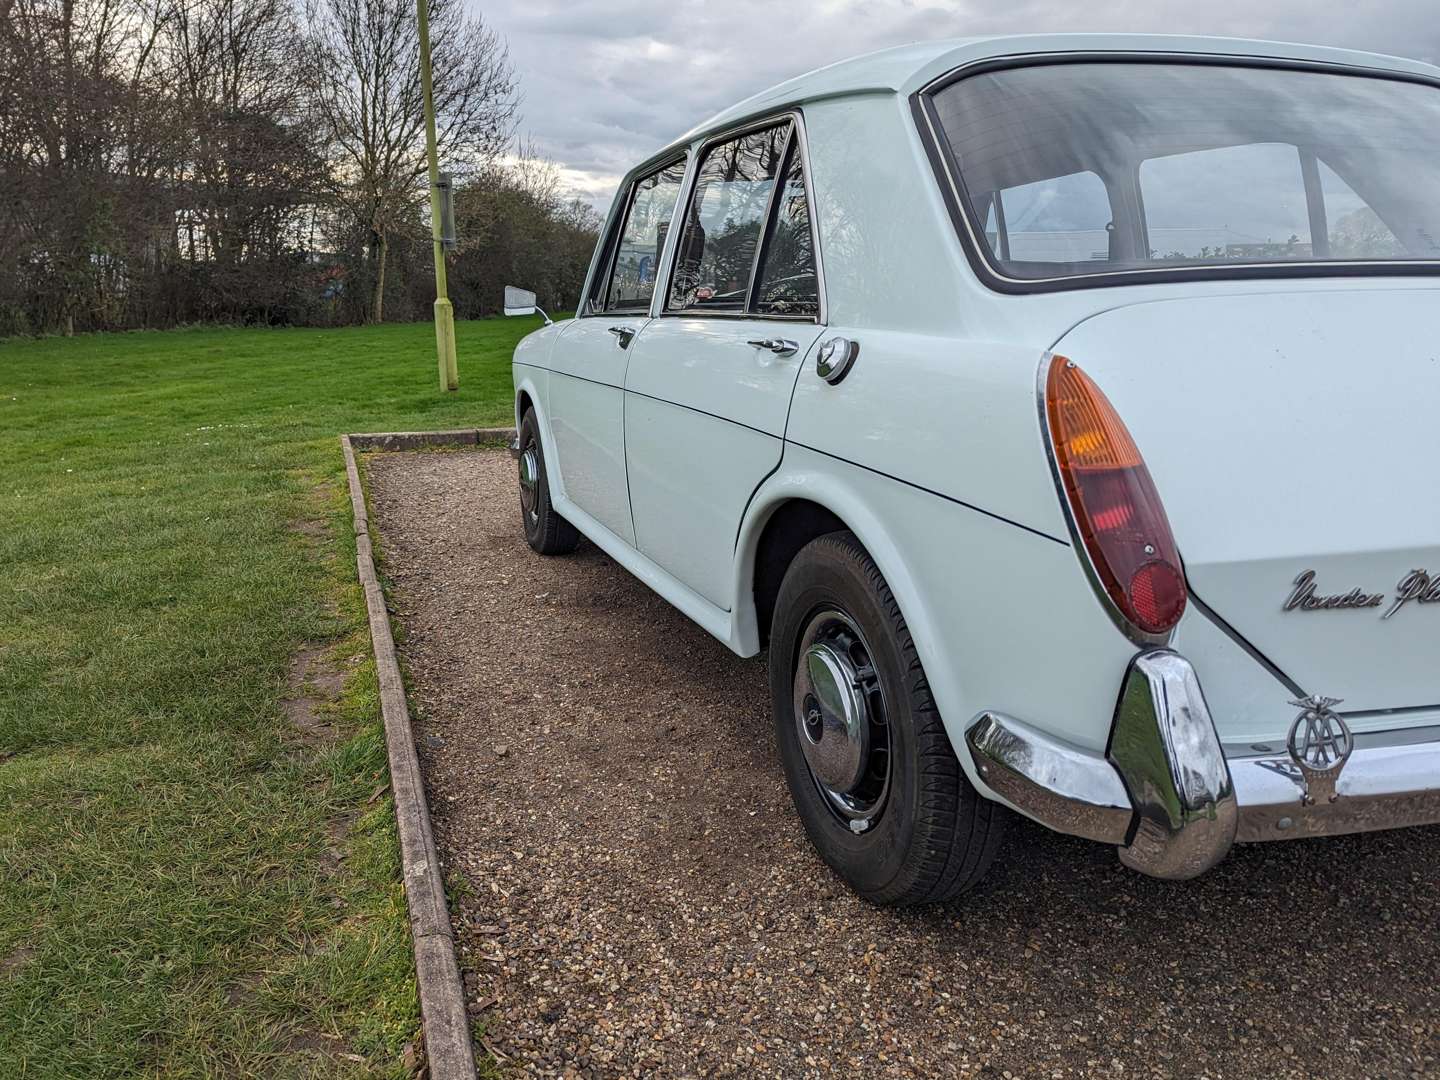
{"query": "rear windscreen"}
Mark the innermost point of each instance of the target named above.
(1075, 169)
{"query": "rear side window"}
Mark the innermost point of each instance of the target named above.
(747, 245)
(716, 257)
(642, 239)
(1353, 230)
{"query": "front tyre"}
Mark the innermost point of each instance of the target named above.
(867, 759)
(545, 530)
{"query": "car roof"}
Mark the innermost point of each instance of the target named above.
(906, 68)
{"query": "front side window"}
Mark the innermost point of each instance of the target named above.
(637, 254)
(1066, 170)
(715, 259)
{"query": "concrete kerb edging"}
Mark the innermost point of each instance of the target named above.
(449, 1051)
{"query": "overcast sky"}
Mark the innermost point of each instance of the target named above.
(606, 82)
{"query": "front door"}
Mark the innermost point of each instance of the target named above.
(709, 381)
(587, 384)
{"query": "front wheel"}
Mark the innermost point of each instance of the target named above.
(867, 759)
(545, 530)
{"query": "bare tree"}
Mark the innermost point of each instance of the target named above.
(517, 227)
(364, 66)
(251, 165)
(164, 161)
(83, 133)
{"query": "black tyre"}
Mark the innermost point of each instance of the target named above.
(545, 530)
(868, 761)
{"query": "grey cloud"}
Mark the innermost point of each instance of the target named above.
(607, 83)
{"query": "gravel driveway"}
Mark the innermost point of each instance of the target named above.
(636, 896)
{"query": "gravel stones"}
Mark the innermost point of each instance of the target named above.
(634, 895)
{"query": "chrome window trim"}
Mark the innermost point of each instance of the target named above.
(823, 318)
(1077, 541)
(977, 251)
(745, 316)
(659, 308)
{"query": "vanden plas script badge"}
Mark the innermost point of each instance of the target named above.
(1418, 585)
(1305, 598)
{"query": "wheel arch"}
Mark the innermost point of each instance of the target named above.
(791, 525)
(839, 494)
(529, 394)
(788, 511)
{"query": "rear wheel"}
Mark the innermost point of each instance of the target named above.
(545, 530)
(866, 756)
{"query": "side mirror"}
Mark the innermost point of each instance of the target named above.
(519, 301)
(522, 302)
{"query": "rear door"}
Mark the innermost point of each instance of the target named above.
(587, 396)
(709, 381)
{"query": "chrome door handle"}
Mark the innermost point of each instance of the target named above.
(779, 346)
(625, 334)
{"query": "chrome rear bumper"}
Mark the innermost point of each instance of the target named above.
(1166, 794)
(1392, 780)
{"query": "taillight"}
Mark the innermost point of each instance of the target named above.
(1117, 510)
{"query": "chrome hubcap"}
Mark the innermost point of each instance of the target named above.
(530, 482)
(835, 726)
(841, 719)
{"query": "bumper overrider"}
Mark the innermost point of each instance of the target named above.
(1169, 798)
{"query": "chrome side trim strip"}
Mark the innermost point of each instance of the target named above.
(1165, 747)
(1061, 786)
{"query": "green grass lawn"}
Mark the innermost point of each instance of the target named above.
(173, 528)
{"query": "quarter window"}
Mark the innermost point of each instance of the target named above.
(788, 283)
(716, 256)
(637, 254)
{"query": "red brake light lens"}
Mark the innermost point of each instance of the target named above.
(1117, 510)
